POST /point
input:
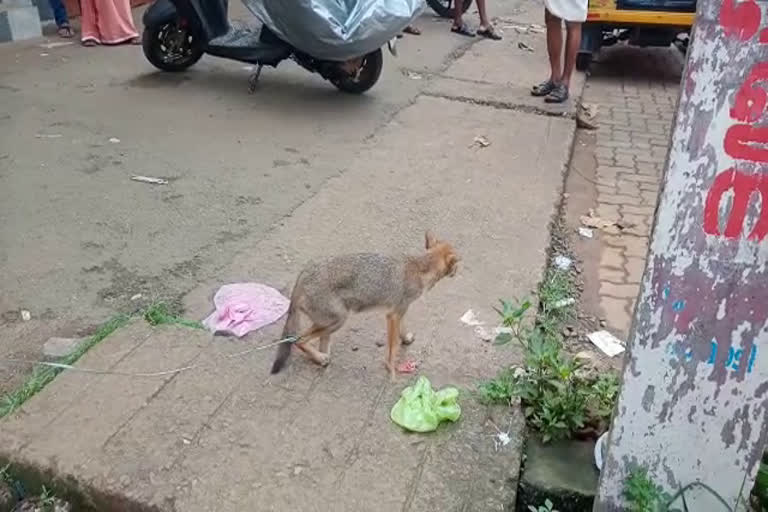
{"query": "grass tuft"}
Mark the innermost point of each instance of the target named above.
(160, 314)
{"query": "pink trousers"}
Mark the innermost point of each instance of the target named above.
(107, 21)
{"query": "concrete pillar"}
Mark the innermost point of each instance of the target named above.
(19, 19)
(694, 397)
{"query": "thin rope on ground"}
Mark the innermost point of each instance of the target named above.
(62, 366)
(590, 180)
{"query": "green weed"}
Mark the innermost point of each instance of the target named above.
(556, 399)
(546, 507)
(160, 314)
(604, 392)
(643, 495)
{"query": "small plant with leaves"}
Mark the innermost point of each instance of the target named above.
(552, 393)
(546, 507)
(602, 397)
(643, 495)
(512, 317)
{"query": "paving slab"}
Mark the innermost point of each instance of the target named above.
(501, 74)
(226, 437)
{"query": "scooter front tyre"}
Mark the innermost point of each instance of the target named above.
(446, 9)
(156, 50)
(367, 77)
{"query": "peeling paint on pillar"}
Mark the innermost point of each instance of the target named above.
(694, 400)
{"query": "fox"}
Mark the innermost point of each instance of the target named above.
(327, 292)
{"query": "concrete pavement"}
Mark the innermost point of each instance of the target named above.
(79, 240)
(261, 187)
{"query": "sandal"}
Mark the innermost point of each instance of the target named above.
(462, 30)
(90, 43)
(558, 95)
(412, 30)
(489, 33)
(65, 32)
(543, 88)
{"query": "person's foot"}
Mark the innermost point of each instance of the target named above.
(412, 30)
(90, 42)
(135, 41)
(489, 33)
(543, 88)
(558, 95)
(462, 30)
(65, 31)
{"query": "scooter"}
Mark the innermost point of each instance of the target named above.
(178, 32)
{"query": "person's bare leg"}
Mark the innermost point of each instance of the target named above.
(457, 12)
(484, 23)
(554, 44)
(572, 44)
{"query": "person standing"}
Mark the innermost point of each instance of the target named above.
(107, 22)
(485, 30)
(61, 18)
(574, 13)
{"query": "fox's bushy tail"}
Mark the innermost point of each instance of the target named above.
(291, 329)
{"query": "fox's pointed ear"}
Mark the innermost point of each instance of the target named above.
(430, 241)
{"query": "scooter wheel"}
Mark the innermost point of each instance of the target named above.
(170, 47)
(366, 77)
(444, 8)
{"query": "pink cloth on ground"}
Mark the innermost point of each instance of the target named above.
(107, 21)
(245, 307)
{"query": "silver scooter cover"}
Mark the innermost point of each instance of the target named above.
(336, 29)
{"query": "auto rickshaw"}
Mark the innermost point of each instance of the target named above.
(638, 22)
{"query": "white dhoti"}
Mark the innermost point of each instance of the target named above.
(569, 10)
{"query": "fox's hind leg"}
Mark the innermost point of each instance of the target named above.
(324, 326)
(325, 344)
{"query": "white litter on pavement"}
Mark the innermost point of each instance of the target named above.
(489, 335)
(149, 179)
(586, 232)
(114, 140)
(26, 315)
(563, 302)
(609, 344)
(49, 46)
(599, 447)
(470, 318)
(563, 262)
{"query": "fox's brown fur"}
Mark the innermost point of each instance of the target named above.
(327, 292)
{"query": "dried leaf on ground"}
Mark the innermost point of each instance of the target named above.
(614, 227)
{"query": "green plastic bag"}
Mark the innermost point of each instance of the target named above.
(421, 409)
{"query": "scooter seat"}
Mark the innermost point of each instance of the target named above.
(239, 35)
(243, 42)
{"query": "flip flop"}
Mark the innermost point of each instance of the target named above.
(462, 30)
(90, 43)
(489, 33)
(558, 95)
(543, 88)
